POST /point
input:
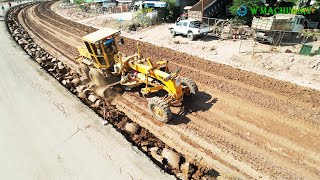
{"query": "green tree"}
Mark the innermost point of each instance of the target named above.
(247, 19)
(79, 1)
(238, 3)
(172, 10)
(315, 15)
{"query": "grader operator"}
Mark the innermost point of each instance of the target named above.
(102, 64)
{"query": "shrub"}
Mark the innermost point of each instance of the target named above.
(140, 19)
(79, 1)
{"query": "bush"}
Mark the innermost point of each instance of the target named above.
(172, 10)
(79, 1)
(143, 19)
(140, 19)
(238, 3)
(248, 3)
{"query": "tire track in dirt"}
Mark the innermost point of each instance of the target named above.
(32, 26)
(208, 135)
(250, 123)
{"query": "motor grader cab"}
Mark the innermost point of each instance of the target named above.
(100, 61)
(99, 48)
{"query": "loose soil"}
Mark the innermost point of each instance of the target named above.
(165, 157)
(241, 124)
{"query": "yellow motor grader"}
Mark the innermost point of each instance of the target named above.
(102, 64)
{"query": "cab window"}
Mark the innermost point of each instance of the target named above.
(195, 24)
(301, 21)
(179, 24)
(94, 48)
(88, 47)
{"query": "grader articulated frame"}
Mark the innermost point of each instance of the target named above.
(102, 64)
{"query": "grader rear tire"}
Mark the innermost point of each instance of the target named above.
(189, 87)
(160, 109)
(97, 78)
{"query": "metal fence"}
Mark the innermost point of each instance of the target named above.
(118, 9)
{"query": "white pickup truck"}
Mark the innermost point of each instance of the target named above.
(191, 28)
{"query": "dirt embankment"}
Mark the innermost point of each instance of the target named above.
(240, 123)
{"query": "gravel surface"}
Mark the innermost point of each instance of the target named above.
(46, 133)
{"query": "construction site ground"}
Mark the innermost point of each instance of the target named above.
(46, 133)
(241, 124)
(244, 54)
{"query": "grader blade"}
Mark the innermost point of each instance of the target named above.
(106, 92)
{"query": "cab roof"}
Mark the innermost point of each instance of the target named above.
(287, 16)
(100, 35)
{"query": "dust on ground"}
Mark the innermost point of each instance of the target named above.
(242, 54)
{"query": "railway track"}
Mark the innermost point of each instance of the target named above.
(240, 124)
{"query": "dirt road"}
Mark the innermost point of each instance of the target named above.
(46, 133)
(240, 124)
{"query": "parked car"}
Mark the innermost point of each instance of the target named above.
(190, 28)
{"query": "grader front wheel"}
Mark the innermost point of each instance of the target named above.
(160, 109)
(189, 87)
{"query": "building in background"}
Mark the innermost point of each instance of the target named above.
(107, 3)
